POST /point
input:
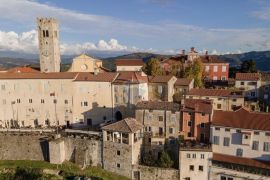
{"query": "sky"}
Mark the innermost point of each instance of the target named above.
(158, 26)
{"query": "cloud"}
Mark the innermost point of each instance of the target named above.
(263, 13)
(27, 42)
(162, 36)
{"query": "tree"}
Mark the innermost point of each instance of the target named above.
(152, 67)
(195, 71)
(165, 160)
(248, 66)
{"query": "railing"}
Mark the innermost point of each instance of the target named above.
(83, 132)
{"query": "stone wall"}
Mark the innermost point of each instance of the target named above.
(23, 147)
(154, 173)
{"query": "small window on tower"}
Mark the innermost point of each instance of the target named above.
(44, 34)
(47, 33)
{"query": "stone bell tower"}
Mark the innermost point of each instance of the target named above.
(49, 50)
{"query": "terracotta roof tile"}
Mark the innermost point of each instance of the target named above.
(129, 62)
(242, 118)
(215, 92)
(158, 105)
(241, 161)
(160, 79)
(103, 77)
(211, 59)
(132, 77)
(39, 75)
(127, 125)
(248, 76)
(182, 82)
(22, 69)
(198, 105)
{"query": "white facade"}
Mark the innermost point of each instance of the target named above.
(251, 88)
(128, 68)
(194, 164)
(241, 142)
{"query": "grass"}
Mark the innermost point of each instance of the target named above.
(69, 169)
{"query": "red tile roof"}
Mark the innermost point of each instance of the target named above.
(248, 76)
(160, 79)
(129, 62)
(132, 77)
(243, 119)
(182, 82)
(22, 70)
(39, 75)
(241, 161)
(197, 105)
(215, 92)
(102, 77)
(127, 125)
(158, 105)
(211, 59)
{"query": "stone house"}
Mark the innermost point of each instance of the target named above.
(223, 99)
(129, 88)
(264, 94)
(250, 83)
(183, 85)
(161, 88)
(129, 64)
(196, 115)
(122, 142)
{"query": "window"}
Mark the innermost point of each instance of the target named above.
(190, 113)
(30, 100)
(242, 83)
(188, 155)
(104, 118)
(171, 130)
(267, 134)
(191, 168)
(238, 131)
(202, 125)
(189, 134)
(160, 89)
(194, 156)
(47, 33)
(266, 146)
(44, 34)
(216, 140)
(118, 153)
(215, 78)
(253, 94)
(66, 101)
(160, 118)
(200, 168)
(118, 165)
(149, 129)
(255, 145)
(189, 123)
(207, 68)
(54, 101)
(224, 68)
(227, 129)
(215, 68)
(225, 178)
(219, 106)
(202, 156)
(42, 101)
(223, 78)
(226, 141)
(234, 100)
(239, 152)
(203, 114)
(47, 122)
(85, 103)
(217, 128)
(18, 100)
(3, 87)
(256, 133)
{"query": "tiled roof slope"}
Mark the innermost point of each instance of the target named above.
(129, 62)
(131, 77)
(241, 161)
(158, 105)
(248, 76)
(160, 79)
(21, 70)
(127, 125)
(214, 92)
(102, 77)
(198, 105)
(242, 118)
(211, 59)
(182, 82)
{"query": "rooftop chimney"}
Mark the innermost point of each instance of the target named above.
(183, 52)
(192, 49)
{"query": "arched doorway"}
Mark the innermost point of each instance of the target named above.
(118, 116)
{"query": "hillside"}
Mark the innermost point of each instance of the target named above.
(262, 59)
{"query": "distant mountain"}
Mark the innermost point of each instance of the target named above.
(262, 58)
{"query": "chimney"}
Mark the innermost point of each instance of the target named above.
(206, 55)
(192, 49)
(183, 52)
